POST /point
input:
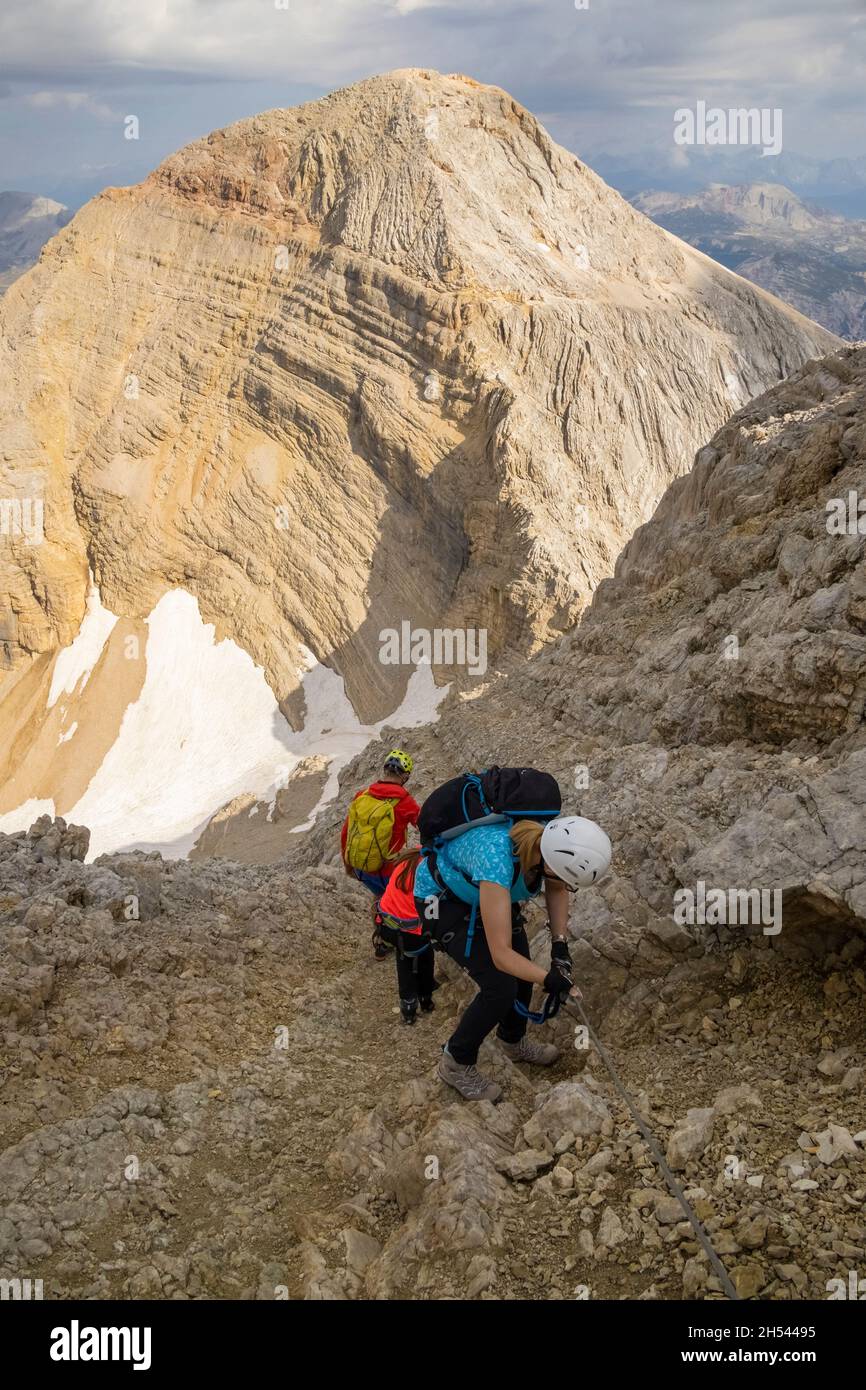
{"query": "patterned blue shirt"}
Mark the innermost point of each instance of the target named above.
(485, 855)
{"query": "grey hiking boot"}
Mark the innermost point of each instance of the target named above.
(537, 1054)
(467, 1080)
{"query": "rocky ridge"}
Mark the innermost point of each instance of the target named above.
(240, 1113)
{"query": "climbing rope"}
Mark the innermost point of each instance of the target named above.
(673, 1184)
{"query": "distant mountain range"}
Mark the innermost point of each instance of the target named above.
(811, 258)
(26, 223)
(836, 184)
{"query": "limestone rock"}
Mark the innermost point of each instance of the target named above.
(569, 1105)
(833, 1143)
(526, 1164)
(690, 1136)
(611, 1231)
(748, 1279)
(734, 1100)
(361, 1249)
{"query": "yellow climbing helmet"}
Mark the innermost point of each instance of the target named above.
(398, 761)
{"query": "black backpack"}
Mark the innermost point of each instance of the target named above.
(497, 795)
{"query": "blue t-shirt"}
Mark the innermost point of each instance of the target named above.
(485, 855)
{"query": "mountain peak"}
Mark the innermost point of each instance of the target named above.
(760, 204)
(400, 321)
(27, 220)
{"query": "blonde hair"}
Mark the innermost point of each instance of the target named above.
(526, 838)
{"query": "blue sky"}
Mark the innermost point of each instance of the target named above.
(605, 79)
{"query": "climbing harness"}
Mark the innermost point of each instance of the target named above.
(662, 1165)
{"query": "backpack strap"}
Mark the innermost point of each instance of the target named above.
(473, 780)
(471, 932)
(459, 884)
(451, 881)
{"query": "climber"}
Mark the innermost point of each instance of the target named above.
(401, 928)
(374, 831)
(487, 871)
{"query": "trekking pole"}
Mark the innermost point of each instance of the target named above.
(570, 1005)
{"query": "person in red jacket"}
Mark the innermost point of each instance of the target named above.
(401, 928)
(390, 789)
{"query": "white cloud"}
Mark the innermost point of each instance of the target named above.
(640, 42)
(72, 101)
(608, 77)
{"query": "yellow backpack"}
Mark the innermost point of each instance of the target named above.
(368, 836)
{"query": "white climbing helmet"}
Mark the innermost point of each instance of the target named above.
(576, 850)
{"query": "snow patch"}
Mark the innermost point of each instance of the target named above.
(419, 706)
(75, 664)
(205, 729)
(21, 819)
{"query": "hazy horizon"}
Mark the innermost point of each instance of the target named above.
(606, 80)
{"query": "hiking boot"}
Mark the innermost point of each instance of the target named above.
(536, 1054)
(409, 1012)
(467, 1080)
(427, 1005)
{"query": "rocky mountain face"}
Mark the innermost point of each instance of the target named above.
(26, 223)
(389, 357)
(207, 1093)
(813, 259)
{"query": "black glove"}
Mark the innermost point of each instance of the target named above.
(556, 983)
(560, 959)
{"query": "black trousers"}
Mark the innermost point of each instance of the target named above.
(497, 992)
(414, 972)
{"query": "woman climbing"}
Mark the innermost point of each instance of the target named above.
(468, 886)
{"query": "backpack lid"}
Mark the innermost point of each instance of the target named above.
(503, 793)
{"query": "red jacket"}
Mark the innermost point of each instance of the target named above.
(399, 903)
(406, 813)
